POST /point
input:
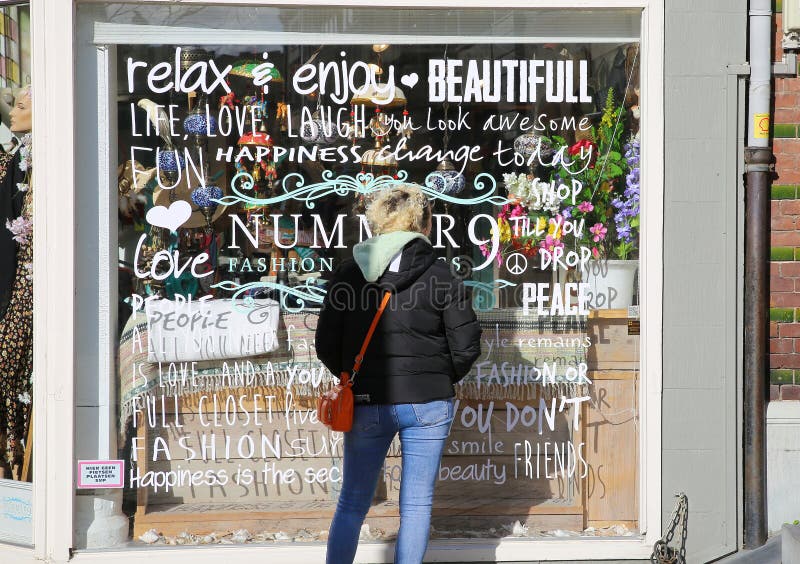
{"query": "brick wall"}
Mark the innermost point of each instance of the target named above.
(784, 313)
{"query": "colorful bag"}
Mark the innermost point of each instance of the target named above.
(335, 407)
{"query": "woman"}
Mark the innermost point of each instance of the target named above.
(426, 340)
(16, 289)
(11, 198)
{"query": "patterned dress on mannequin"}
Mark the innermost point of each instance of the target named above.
(16, 340)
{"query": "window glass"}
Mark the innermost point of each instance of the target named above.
(243, 171)
(16, 277)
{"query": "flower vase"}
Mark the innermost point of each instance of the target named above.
(611, 283)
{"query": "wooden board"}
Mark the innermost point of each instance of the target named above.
(612, 445)
(612, 348)
(381, 516)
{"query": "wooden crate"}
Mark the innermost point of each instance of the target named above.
(607, 495)
(611, 423)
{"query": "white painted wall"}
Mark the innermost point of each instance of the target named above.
(783, 459)
(702, 110)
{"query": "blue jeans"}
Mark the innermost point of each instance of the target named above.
(423, 429)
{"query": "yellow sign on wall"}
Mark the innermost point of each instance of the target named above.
(761, 126)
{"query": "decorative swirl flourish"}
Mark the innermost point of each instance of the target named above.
(258, 313)
(16, 508)
(294, 187)
(484, 298)
(307, 292)
(481, 182)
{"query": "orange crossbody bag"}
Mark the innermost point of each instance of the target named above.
(335, 407)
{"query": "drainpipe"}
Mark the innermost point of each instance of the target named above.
(758, 159)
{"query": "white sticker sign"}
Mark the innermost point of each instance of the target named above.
(16, 512)
(100, 474)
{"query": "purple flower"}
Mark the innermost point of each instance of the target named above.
(632, 155)
(632, 149)
(627, 206)
(21, 228)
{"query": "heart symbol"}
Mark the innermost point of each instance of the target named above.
(409, 80)
(172, 217)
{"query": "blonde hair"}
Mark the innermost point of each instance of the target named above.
(26, 90)
(400, 208)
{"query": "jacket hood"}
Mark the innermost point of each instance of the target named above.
(408, 253)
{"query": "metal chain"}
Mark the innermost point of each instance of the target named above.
(663, 553)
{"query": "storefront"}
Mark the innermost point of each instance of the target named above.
(226, 150)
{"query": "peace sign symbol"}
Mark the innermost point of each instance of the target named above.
(516, 263)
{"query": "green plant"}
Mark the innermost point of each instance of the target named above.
(606, 202)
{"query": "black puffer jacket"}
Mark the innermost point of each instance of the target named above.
(426, 340)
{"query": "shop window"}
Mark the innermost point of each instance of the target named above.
(16, 278)
(242, 176)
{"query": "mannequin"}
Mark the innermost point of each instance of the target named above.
(16, 324)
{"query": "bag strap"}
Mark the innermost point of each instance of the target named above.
(360, 355)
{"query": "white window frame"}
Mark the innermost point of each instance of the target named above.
(55, 249)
